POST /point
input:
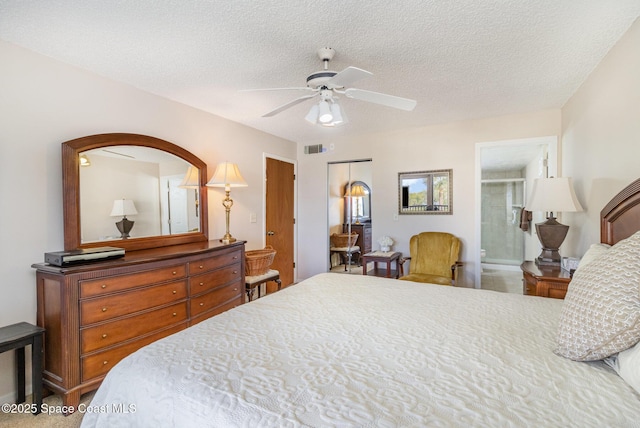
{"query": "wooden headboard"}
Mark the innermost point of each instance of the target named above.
(620, 218)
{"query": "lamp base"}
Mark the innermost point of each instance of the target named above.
(124, 227)
(551, 235)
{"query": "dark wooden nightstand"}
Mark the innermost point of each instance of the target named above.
(544, 281)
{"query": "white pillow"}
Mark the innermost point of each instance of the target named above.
(601, 311)
(627, 364)
(595, 252)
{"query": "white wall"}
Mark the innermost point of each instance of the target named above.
(435, 147)
(45, 103)
(601, 138)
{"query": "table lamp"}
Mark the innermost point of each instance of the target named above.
(227, 175)
(124, 207)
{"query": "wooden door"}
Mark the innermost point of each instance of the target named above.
(280, 218)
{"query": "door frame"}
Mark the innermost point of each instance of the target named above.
(552, 170)
(265, 156)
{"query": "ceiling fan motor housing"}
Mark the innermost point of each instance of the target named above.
(318, 79)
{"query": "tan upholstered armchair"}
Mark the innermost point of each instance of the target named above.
(434, 258)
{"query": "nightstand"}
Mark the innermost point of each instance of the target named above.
(544, 281)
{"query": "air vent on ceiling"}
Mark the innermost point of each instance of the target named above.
(313, 149)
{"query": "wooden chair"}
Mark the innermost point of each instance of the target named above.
(434, 258)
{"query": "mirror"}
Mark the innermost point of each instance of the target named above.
(425, 192)
(360, 195)
(153, 185)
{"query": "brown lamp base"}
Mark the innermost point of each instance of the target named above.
(124, 227)
(551, 235)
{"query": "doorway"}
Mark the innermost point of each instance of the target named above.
(505, 171)
(280, 217)
(349, 193)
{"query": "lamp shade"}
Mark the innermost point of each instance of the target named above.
(325, 112)
(356, 191)
(123, 207)
(191, 178)
(312, 116)
(554, 195)
(227, 175)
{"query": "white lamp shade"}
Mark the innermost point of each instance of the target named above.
(312, 116)
(554, 195)
(337, 114)
(123, 207)
(324, 112)
(191, 178)
(227, 175)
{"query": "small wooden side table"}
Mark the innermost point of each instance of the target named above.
(544, 281)
(18, 336)
(382, 257)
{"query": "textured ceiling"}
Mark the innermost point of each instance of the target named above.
(461, 59)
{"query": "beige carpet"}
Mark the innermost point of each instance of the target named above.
(53, 420)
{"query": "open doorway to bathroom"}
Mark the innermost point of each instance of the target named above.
(504, 235)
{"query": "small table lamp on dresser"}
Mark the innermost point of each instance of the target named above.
(552, 195)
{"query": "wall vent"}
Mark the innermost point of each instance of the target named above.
(313, 149)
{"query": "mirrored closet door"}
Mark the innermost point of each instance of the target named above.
(349, 215)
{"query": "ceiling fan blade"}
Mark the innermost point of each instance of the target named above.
(383, 99)
(347, 76)
(305, 88)
(289, 104)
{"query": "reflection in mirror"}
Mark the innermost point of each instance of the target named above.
(140, 171)
(425, 192)
(360, 196)
(147, 177)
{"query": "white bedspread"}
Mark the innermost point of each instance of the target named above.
(350, 350)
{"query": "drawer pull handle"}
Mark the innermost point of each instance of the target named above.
(174, 314)
(201, 267)
(104, 286)
(104, 309)
(105, 362)
(201, 304)
(235, 271)
(201, 284)
(235, 257)
(174, 291)
(174, 272)
(235, 289)
(104, 336)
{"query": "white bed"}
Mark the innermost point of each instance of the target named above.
(352, 350)
(341, 350)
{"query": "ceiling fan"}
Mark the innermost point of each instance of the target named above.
(326, 84)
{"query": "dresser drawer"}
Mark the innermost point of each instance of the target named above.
(217, 310)
(208, 281)
(110, 333)
(217, 297)
(97, 287)
(112, 306)
(100, 363)
(215, 262)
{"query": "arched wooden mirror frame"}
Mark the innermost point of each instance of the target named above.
(71, 191)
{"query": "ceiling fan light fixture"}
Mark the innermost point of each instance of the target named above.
(336, 113)
(312, 116)
(324, 111)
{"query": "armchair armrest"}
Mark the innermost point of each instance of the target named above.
(401, 264)
(454, 271)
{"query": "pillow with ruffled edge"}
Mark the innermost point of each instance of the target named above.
(601, 311)
(627, 365)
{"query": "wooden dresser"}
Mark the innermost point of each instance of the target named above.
(364, 235)
(544, 281)
(96, 314)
